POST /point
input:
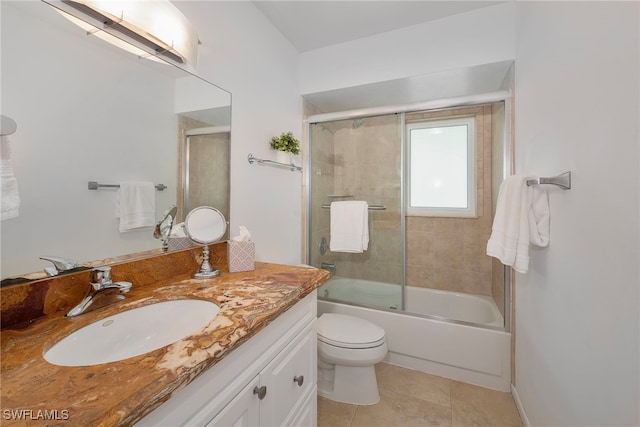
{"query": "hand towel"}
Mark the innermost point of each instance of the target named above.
(9, 195)
(349, 226)
(522, 217)
(136, 205)
(539, 217)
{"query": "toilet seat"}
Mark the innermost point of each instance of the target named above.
(341, 330)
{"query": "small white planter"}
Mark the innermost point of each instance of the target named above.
(283, 157)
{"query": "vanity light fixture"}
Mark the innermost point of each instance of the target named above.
(148, 28)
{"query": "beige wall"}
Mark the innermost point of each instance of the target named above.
(362, 162)
(449, 253)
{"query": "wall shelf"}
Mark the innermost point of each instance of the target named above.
(251, 158)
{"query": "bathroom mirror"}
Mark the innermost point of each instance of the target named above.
(205, 225)
(88, 111)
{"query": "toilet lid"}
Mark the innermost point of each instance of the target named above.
(342, 330)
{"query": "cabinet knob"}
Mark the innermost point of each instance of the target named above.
(299, 379)
(260, 391)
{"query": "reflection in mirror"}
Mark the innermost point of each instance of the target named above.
(164, 226)
(88, 111)
(205, 225)
(204, 150)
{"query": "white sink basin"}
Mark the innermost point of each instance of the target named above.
(132, 333)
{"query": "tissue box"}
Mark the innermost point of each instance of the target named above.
(177, 243)
(241, 256)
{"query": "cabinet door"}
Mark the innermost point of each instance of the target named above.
(307, 415)
(242, 411)
(289, 378)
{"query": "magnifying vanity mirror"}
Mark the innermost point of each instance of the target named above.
(164, 226)
(205, 225)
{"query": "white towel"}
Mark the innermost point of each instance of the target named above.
(522, 217)
(136, 205)
(9, 196)
(349, 226)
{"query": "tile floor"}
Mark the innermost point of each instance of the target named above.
(411, 398)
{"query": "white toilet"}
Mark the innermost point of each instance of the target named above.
(348, 347)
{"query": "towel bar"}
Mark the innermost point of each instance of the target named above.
(251, 158)
(371, 207)
(563, 181)
(93, 185)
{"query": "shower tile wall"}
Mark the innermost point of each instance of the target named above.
(361, 158)
(449, 253)
(322, 172)
(209, 168)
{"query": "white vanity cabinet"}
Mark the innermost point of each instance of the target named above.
(285, 382)
(270, 380)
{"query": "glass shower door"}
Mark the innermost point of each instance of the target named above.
(358, 159)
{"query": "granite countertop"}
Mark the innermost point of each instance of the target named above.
(123, 392)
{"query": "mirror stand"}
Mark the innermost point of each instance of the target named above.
(205, 225)
(206, 271)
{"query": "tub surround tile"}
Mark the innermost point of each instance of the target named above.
(120, 393)
(478, 283)
(434, 245)
(457, 243)
(419, 276)
(448, 250)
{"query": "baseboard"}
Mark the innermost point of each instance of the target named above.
(523, 414)
(494, 382)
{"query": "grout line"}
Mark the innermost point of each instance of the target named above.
(450, 403)
(353, 417)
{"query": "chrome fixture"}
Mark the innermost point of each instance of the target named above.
(331, 268)
(164, 226)
(133, 26)
(324, 246)
(371, 207)
(563, 181)
(8, 126)
(102, 292)
(60, 265)
(93, 185)
(206, 225)
(251, 158)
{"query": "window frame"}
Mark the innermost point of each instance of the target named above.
(471, 210)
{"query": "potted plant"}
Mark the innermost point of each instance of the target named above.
(285, 145)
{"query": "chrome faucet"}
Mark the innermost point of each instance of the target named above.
(102, 292)
(60, 265)
(331, 268)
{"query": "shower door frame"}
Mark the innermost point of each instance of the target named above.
(307, 212)
(464, 101)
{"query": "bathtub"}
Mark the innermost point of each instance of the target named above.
(476, 309)
(436, 334)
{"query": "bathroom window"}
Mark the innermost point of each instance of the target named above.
(442, 168)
